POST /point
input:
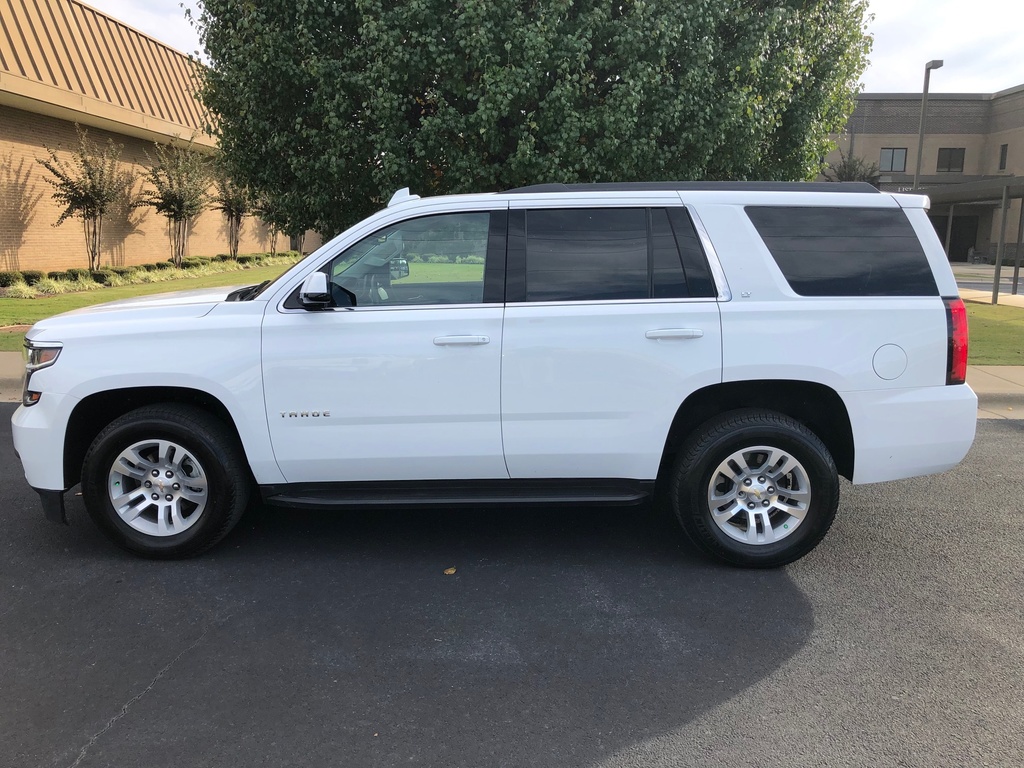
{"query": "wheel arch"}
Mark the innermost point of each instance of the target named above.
(816, 406)
(97, 410)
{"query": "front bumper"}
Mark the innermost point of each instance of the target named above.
(38, 433)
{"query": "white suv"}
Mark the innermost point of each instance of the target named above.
(735, 346)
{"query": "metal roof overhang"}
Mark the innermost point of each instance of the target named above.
(987, 191)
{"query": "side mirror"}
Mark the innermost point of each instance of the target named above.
(315, 293)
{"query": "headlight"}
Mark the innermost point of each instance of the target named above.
(38, 354)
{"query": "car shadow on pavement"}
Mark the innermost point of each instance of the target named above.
(563, 637)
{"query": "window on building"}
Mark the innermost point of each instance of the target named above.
(951, 160)
(1003, 149)
(893, 159)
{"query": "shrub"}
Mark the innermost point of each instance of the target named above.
(78, 273)
(247, 258)
(57, 275)
(124, 271)
(438, 259)
(32, 276)
(84, 283)
(102, 276)
(7, 279)
(163, 265)
(191, 263)
(51, 287)
(470, 260)
(223, 257)
(20, 291)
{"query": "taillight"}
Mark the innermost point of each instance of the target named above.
(956, 351)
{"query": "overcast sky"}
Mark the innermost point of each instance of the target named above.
(980, 41)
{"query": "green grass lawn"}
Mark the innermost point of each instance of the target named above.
(997, 334)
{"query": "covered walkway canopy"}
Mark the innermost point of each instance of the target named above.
(993, 191)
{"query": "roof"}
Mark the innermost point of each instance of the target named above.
(68, 60)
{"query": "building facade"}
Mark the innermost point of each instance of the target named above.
(973, 147)
(63, 63)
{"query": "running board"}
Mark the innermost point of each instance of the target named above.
(448, 493)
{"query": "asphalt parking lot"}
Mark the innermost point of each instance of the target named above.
(565, 638)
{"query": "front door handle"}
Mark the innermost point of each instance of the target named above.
(461, 341)
(675, 333)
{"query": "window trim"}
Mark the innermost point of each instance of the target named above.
(1004, 150)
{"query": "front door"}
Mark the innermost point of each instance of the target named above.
(405, 384)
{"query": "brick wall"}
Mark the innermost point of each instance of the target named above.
(28, 239)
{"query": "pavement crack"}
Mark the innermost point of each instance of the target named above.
(128, 704)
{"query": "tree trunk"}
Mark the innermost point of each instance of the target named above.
(234, 234)
(93, 231)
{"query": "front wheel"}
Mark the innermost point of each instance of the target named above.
(165, 481)
(755, 488)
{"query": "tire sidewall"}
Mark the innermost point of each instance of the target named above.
(694, 513)
(204, 446)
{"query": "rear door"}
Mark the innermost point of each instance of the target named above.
(611, 321)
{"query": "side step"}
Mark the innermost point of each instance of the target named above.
(451, 493)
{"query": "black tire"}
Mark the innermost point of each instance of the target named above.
(204, 438)
(710, 446)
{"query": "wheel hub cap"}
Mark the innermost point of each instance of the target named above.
(759, 495)
(158, 487)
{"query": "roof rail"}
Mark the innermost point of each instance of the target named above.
(702, 186)
(402, 196)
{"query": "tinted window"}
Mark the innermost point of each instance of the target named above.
(668, 278)
(586, 254)
(695, 263)
(845, 251)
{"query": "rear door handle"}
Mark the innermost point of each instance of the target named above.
(675, 333)
(461, 341)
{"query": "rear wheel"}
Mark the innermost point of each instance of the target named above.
(165, 481)
(755, 488)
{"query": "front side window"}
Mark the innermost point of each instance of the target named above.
(951, 160)
(893, 160)
(429, 260)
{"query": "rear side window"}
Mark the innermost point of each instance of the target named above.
(587, 254)
(845, 251)
(592, 253)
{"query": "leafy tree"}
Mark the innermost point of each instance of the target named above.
(180, 177)
(235, 202)
(850, 168)
(329, 107)
(90, 184)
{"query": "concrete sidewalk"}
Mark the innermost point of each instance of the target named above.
(985, 297)
(1000, 388)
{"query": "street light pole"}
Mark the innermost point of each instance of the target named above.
(934, 64)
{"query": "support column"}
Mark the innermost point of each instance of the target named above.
(1002, 243)
(949, 228)
(1020, 239)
